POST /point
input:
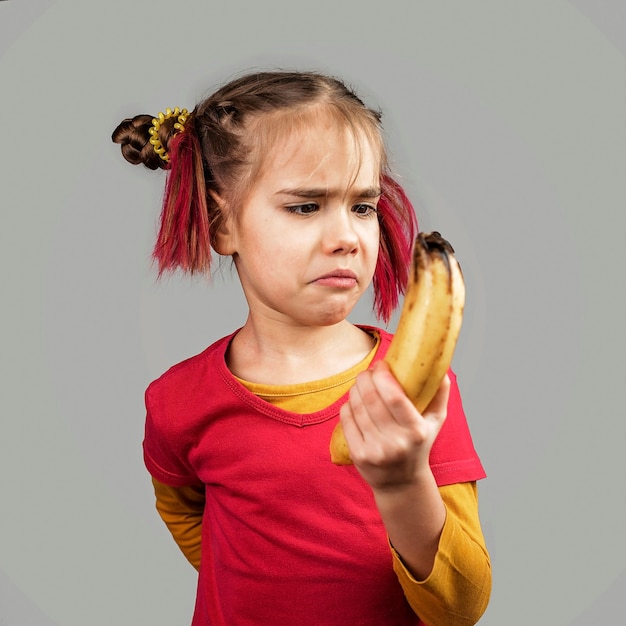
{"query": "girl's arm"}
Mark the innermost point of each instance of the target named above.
(390, 445)
(181, 509)
(457, 590)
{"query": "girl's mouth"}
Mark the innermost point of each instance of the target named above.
(340, 278)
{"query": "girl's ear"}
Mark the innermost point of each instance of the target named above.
(223, 238)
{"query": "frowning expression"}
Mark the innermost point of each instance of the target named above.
(305, 240)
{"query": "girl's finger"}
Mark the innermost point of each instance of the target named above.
(364, 403)
(350, 427)
(438, 406)
(400, 409)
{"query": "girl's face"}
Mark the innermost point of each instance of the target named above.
(305, 240)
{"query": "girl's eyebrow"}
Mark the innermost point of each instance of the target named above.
(302, 192)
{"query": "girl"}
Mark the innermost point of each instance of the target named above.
(286, 173)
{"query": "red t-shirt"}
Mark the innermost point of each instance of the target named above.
(287, 537)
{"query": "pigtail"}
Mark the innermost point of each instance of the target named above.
(133, 135)
(184, 238)
(170, 142)
(398, 229)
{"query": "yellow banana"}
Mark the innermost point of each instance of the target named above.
(430, 322)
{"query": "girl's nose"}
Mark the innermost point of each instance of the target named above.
(340, 236)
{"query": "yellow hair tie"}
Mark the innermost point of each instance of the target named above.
(181, 114)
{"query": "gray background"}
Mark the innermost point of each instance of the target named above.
(506, 122)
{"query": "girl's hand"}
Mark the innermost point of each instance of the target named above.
(389, 440)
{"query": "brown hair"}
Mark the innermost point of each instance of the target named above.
(221, 151)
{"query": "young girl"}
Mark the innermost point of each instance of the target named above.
(286, 173)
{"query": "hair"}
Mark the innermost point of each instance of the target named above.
(220, 155)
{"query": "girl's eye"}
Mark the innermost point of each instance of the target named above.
(303, 209)
(364, 209)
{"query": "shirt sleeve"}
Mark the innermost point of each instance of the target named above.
(166, 441)
(181, 508)
(456, 592)
(453, 458)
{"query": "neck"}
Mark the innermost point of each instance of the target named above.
(286, 354)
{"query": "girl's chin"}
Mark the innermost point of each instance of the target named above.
(328, 317)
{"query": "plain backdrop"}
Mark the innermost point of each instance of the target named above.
(506, 125)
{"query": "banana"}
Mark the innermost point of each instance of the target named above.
(430, 322)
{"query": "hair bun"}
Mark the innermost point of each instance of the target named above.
(134, 136)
